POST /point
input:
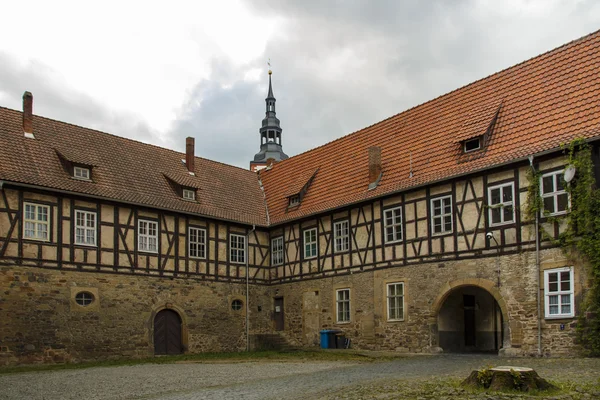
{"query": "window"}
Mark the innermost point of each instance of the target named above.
(500, 200)
(472, 144)
(84, 298)
(395, 301)
(558, 287)
(277, 251)
(236, 305)
(342, 300)
(197, 242)
(37, 222)
(237, 248)
(189, 194)
(294, 200)
(81, 173)
(148, 236)
(341, 236)
(441, 210)
(85, 228)
(554, 196)
(393, 224)
(310, 243)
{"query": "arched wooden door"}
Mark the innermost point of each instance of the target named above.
(167, 333)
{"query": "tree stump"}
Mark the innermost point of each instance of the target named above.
(507, 378)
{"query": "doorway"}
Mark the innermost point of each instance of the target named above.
(278, 314)
(167, 333)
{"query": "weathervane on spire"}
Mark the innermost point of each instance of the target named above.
(269, 64)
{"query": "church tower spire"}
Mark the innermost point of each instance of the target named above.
(270, 135)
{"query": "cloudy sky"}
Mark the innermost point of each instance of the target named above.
(159, 71)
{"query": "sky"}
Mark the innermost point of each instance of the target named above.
(161, 71)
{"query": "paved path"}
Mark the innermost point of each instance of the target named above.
(252, 380)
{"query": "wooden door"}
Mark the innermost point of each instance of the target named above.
(469, 310)
(167, 333)
(279, 321)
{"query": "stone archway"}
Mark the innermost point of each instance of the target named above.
(176, 313)
(470, 315)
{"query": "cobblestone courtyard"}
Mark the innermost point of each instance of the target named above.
(426, 377)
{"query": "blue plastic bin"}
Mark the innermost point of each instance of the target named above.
(325, 339)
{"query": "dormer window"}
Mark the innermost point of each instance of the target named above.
(189, 194)
(472, 144)
(81, 173)
(294, 200)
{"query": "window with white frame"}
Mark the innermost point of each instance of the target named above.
(341, 236)
(189, 194)
(554, 196)
(342, 301)
(197, 242)
(294, 200)
(310, 243)
(441, 215)
(501, 205)
(395, 301)
(36, 221)
(237, 248)
(472, 144)
(81, 173)
(393, 224)
(277, 251)
(558, 288)
(85, 228)
(147, 236)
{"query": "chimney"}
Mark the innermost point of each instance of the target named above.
(374, 167)
(189, 155)
(28, 115)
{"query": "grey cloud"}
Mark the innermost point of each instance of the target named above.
(53, 99)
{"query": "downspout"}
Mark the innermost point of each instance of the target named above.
(248, 288)
(538, 271)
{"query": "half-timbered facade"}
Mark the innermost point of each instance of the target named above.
(410, 235)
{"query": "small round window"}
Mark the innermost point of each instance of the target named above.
(236, 305)
(84, 298)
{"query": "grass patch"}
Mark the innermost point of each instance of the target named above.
(305, 355)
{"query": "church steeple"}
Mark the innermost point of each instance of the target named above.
(270, 135)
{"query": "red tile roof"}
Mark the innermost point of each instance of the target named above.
(546, 101)
(125, 170)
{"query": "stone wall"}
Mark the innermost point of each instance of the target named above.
(47, 325)
(310, 305)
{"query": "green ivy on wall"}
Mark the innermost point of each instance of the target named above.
(582, 233)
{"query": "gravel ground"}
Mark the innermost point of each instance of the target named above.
(419, 377)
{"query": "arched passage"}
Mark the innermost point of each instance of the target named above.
(470, 316)
(167, 333)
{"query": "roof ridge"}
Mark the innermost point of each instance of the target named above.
(541, 55)
(126, 138)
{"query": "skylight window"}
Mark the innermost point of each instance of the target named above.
(81, 173)
(472, 144)
(189, 194)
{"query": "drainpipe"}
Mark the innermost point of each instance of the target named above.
(538, 271)
(248, 287)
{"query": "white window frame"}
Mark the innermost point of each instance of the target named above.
(81, 173)
(199, 245)
(237, 253)
(147, 242)
(343, 306)
(189, 194)
(310, 245)
(395, 226)
(294, 200)
(470, 140)
(555, 193)
(88, 232)
(39, 227)
(559, 293)
(277, 251)
(502, 203)
(341, 236)
(443, 215)
(394, 299)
